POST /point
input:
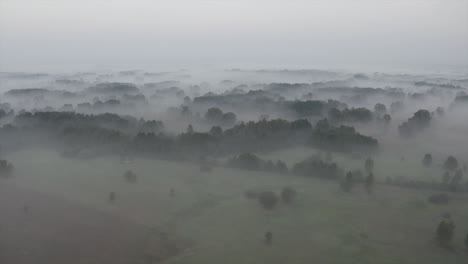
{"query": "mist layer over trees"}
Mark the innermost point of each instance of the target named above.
(373, 164)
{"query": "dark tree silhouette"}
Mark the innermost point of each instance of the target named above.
(348, 182)
(268, 199)
(451, 163)
(216, 131)
(288, 194)
(419, 121)
(229, 119)
(427, 160)
(445, 232)
(315, 167)
(380, 109)
(369, 165)
(246, 161)
(214, 114)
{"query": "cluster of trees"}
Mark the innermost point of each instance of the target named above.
(366, 91)
(342, 138)
(172, 91)
(113, 88)
(263, 135)
(108, 105)
(248, 161)
(261, 100)
(439, 85)
(35, 93)
(216, 116)
(271, 99)
(444, 233)
(353, 177)
(316, 167)
(312, 108)
(113, 132)
(419, 121)
(251, 100)
(449, 182)
(380, 109)
(269, 199)
(4, 113)
(56, 121)
(350, 115)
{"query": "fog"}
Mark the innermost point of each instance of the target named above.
(144, 132)
(171, 158)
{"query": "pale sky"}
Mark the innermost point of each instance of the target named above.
(86, 34)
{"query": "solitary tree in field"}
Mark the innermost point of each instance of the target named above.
(268, 199)
(427, 160)
(451, 163)
(369, 165)
(347, 182)
(445, 231)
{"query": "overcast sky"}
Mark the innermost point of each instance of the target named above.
(90, 34)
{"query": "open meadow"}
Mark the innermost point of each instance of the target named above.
(210, 219)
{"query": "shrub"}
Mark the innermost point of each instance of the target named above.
(440, 198)
(268, 200)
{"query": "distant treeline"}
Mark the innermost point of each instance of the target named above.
(137, 136)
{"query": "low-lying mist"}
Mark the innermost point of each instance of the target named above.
(236, 166)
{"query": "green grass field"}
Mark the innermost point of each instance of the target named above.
(209, 210)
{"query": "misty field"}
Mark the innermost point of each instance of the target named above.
(208, 213)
